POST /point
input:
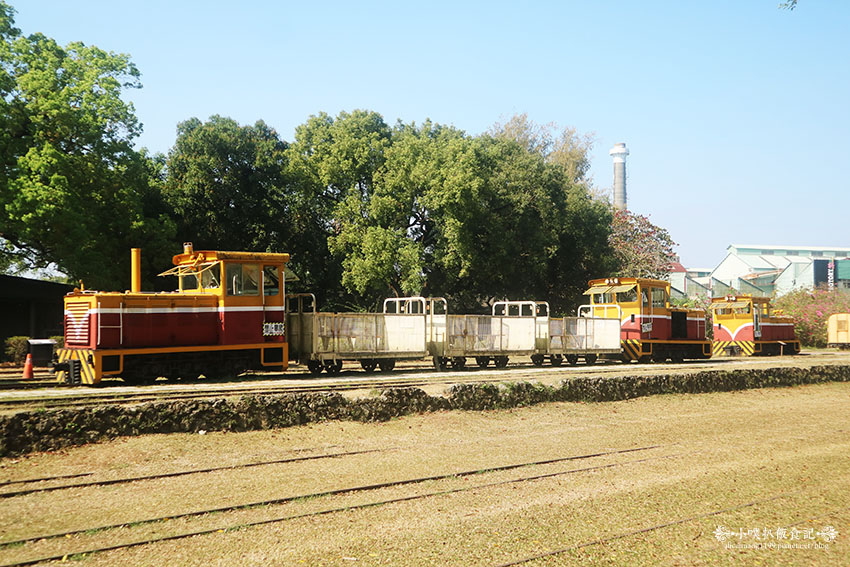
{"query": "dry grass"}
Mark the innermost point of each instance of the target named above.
(724, 450)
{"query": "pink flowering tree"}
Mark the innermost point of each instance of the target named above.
(811, 309)
(644, 250)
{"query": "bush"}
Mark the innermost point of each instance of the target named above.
(811, 309)
(60, 341)
(16, 349)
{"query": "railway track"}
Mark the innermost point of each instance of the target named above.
(105, 530)
(17, 396)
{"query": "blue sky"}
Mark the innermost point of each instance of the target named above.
(735, 112)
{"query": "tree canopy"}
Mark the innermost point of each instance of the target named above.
(74, 191)
(643, 250)
(365, 209)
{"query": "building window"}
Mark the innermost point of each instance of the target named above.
(767, 252)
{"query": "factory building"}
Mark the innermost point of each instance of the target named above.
(767, 271)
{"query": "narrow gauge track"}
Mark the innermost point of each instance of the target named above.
(349, 381)
(113, 481)
(126, 398)
(334, 492)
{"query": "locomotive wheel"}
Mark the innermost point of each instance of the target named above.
(590, 359)
(458, 362)
(556, 359)
(315, 367)
(572, 359)
(369, 364)
(482, 361)
(537, 359)
(659, 356)
(500, 361)
(333, 366)
(645, 359)
(677, 357)
(386, 365)
(440, 363)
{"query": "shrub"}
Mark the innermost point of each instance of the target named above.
(811, 309)
(60, 341)
(16, 349)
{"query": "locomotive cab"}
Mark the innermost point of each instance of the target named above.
(226, 316)
(650, 328)
(748, 325)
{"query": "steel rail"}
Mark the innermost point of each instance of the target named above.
(183, 535)
(623, 535)
(332, 492)
(125, 480)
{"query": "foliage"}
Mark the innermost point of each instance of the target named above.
(810, 310)
(73, 190)
(427, 209)
(225, 183)
(16, 349)
(643, 250)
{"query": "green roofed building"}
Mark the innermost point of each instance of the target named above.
(776, 270)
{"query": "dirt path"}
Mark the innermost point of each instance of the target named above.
(774, 460)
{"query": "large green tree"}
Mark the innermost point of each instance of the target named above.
(227, 185)
(74, 192)
(427, 209)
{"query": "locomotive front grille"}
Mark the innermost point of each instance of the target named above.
(77, 327)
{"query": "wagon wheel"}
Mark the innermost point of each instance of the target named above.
(500, 361)
(440, 363)
(537, 359)
(333, 366)
(458, 362)
(315, 367)
(482, 361)
(369, 364)
(590, 359)
(387, 364)
(572, 359)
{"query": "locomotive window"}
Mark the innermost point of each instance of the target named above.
(600, 298)
(209, 278)
(234, 279)
(243, 279)
(189, 281)
(271, 283)
(629, 296)
(659, 297)
(250, 279)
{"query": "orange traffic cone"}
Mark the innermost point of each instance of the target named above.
(28, 368)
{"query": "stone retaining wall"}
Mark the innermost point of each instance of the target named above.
(53, 429)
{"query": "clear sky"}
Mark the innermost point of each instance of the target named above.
(735, 111)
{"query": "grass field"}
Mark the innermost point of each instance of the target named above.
(771, 459)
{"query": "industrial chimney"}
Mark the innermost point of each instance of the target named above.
(619, 153)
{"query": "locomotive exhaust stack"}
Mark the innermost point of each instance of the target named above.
(136, 270)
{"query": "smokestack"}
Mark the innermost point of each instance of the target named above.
(619, 153)
(135, 270)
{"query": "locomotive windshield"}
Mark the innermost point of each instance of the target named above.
(207, 275)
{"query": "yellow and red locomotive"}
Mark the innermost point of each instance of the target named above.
(226, 317)
(744, 324)
(650, 329)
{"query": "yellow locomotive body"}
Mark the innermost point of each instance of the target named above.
(650, 329)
